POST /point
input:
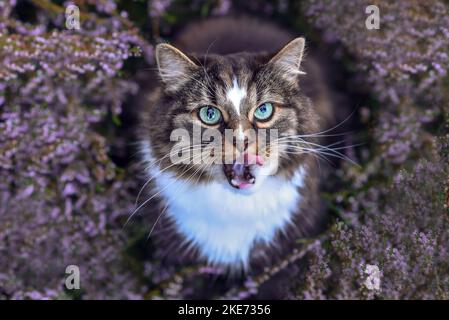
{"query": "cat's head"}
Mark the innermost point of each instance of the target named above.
(238, 110)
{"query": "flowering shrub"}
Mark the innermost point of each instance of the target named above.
(406, 58)
(397, 212)
(405, 238)
(61, 194)
(64, 197)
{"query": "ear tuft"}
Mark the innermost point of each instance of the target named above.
(288, 59)
(173, 65)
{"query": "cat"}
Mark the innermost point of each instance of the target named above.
(244, 75)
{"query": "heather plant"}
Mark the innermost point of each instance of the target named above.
(395, 217)
(405, 237)
(61, 195)
(405, 59)
(64, 196)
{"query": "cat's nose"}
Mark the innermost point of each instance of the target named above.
(242, 136)
(240, 143)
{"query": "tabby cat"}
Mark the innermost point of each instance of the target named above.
(242, 76)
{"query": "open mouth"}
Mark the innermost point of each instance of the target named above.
(240, 172)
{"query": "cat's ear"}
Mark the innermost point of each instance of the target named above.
(288, 60)
(175, 68)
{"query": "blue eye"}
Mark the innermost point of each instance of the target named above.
(264, 111)
(210, 115)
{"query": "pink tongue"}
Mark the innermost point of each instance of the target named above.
(244, 185)
(239, 169)
(249, 159)
(242, 162)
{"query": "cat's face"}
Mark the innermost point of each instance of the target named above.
(224, 118)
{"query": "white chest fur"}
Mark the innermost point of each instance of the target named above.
(223, 223)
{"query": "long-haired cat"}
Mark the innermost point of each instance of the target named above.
(244, 75)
